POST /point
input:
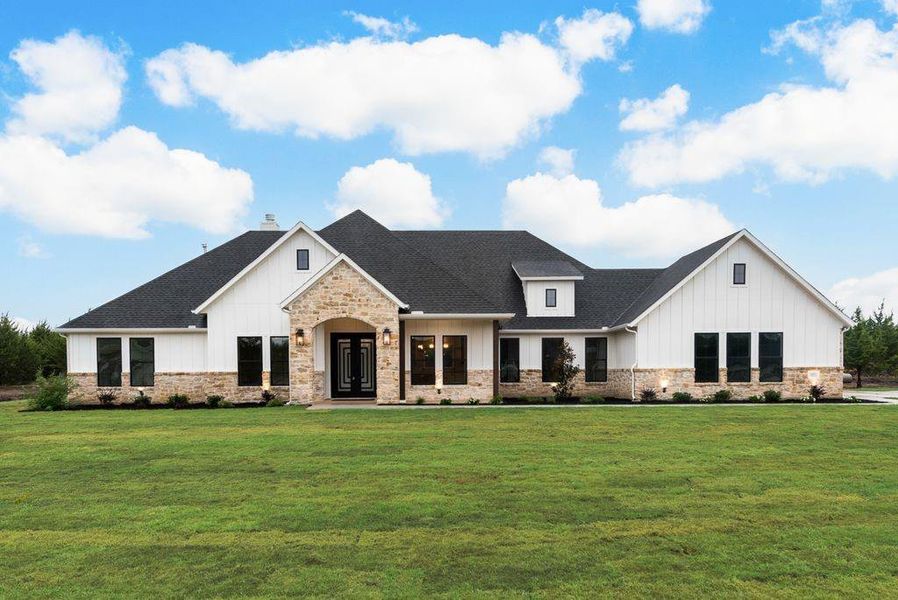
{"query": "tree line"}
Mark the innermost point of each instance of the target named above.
(871, 345)
(24, 354)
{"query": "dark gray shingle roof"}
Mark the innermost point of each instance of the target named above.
(545, 268)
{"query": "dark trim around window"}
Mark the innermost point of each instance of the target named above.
(551, 351)
(249, 361)
(109, 362)
(509, 360)
(596, 360)
(143, 362)
(770, 356)
(707, 358)
(455, 360)
(551, 297)
(280, 359)
(738, 273)
(738, 357)
(302, 259)
(423, 359)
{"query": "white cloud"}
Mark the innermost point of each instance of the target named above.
(804, 133)
(23, 324)
(867, 292)
(559, 160)
(392, 192)
(378, 26)
(594, 35)
(443, 93)
(678, 16)
(28, 248)
(117, 186)
(890, 6)
(654, 115)
(80, 87)
(569, 210)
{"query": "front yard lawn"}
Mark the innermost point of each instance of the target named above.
(647, 501)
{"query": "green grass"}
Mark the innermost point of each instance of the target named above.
(783, 501)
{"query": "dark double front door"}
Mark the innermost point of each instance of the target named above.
(353, 365)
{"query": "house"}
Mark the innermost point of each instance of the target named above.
(356, 310)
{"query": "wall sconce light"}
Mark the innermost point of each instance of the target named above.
(300, 337)
(388, 336)
(664, 384)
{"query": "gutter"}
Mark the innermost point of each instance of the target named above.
(420, 315)
(635, 362)
(64, 331)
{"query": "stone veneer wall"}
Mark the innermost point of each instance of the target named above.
(479, 387)
(795, 382)
(342, 293)
(531, 384)
(194, 385)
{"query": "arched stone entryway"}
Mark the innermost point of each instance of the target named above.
(343, 295)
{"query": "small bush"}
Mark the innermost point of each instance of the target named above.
(106, 397)
(772, 396)
(141, 400)
(445, 401)
(419, 400)
(592, 400)
(52, 393)
(648, 395)
(723, 395)
(267, 396)
(275, 400)
(473, 401)
(214, 400)
(550, 399)
(226, 404)
(682, 397)
(816, 392)
(755, 399)
(178, 401)
(852, 399)
(496, 400)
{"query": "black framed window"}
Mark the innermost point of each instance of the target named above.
(706, 358)
(596, 359)
(302, 259)
(770, 356)
(739, 274)
(509, 360)
(455, 359)
(739, 357)
(551, 298)
(551, 354)
(280, 360)
(109, 362)
(423, 360)
(143, 362)
(249, 361)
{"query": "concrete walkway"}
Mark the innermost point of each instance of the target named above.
(886, 397)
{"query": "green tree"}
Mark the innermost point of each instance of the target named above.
(871, 344)
(567, 371)
(50, 349)
(24, 354)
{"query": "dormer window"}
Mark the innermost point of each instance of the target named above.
(738, 273)
(551, 297)
(302, 259)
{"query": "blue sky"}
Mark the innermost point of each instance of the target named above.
(426, 131)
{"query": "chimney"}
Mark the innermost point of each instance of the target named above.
(269, 224)
(205, 247)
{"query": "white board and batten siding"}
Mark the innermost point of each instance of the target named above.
(480, 339)
(770, 301)
(535, 297)
(251, 307)
(620, 348)
(174, 352)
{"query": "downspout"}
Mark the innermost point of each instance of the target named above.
(635, 362)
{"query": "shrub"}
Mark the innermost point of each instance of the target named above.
(214, 400)
(723, 395)
(141, 400)
(592, 400)
(473, 401)
(52, 393)
(275, 400)
(532, 400)
(445, 401)
(772, 396)
(852, 399)
(106, 397)
(682, 397)
(419, 400)
(267, 396)
(226, 404)
(496, 400)
(648, 395)
(756, 399)
(816, 392)
(567, 371)
(178, 401)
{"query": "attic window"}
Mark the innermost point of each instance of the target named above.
(551, 298)
(739, 274)
(302, 259)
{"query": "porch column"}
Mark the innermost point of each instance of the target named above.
(495, 358)
(401, 360)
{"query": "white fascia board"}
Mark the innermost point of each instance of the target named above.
(111, 330)
(546, 278)
(281, 240)
(327, 269)
(456, 316)
(554, 331)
